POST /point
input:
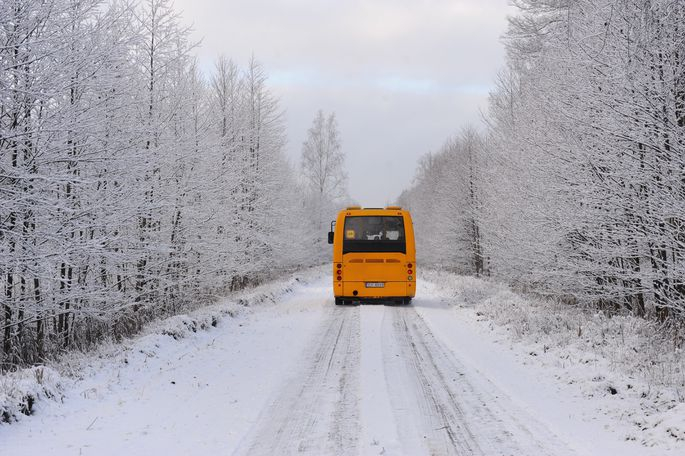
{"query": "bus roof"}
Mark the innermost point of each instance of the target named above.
(359, 208)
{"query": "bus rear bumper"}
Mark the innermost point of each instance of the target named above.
(388, 301)
(390, 290)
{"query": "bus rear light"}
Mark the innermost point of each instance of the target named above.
(409, 271)
(339, 266)
(339, 278)
(409, 266)
(339, 272)
(410, 278)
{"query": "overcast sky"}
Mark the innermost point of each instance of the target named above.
(401, 75)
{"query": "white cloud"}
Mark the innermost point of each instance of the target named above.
(402, 75)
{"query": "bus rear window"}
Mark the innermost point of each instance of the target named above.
(374, 234)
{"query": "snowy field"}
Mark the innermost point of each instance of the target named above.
(282, 370)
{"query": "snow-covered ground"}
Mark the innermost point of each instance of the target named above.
(628, 369)
(297, 374)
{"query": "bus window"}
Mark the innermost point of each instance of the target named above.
(374, 234)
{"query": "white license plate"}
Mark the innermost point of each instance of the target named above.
(375, 284)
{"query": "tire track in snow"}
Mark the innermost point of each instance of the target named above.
(440, 422)
(462, 414)
(317, 411)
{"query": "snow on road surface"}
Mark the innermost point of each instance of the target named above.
(304, 376)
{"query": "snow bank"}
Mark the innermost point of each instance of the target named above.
(23, 391)
(634, 369)
(20, 391)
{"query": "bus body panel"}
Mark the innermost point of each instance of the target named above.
(361, 268)
(375, 267)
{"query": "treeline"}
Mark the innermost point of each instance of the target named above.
(130, 186)
(576, 189)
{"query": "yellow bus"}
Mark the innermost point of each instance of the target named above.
(374, 255)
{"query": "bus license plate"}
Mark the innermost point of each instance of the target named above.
(375, 284)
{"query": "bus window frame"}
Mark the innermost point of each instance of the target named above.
(375, 246)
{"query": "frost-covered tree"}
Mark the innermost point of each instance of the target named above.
(58, 105)
(323, 160)
(323, 173)
(582, 169)
(130, 186)
(445, 201)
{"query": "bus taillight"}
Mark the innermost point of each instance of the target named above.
(339, 278)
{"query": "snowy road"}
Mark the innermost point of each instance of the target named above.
(306, 377)
(381, 371)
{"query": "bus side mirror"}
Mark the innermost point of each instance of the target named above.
(330, 233)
